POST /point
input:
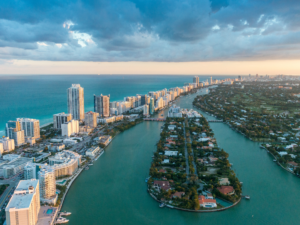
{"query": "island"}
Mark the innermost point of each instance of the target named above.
(264, 111)
(189, 171)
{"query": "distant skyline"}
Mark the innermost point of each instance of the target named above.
(212, 36)
(19, 67)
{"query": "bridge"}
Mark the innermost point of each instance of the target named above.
(215, 121)
(155, 119)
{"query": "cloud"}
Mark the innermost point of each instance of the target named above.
(149, 30)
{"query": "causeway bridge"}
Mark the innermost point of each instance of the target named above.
(155, 119)
(215, 121)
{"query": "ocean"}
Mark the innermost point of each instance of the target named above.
(39, 97)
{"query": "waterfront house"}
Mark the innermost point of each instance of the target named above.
(292, 164)
(166, 161)
(226, 190)
(207, 203)
(162, 171)
(160, 184)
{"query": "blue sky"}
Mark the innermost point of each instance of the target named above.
(149, 30)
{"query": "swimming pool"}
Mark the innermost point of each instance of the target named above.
(49, 211)
(61, 182)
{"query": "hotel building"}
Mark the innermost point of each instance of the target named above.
(90, 119)
(13, 131)
(31, 127)
(101, 105)
(60, 118)
(24, 206)
(70, 128)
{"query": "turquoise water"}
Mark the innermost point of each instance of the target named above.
(113, 191)
(49, 211)
(223, 203)
(40, 97)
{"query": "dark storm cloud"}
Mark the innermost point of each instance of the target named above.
(149, 30)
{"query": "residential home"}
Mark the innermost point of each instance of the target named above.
(178, 194)
(224, 181)
(292, 164)
(226, 190)
(207, 203)
(160, 184)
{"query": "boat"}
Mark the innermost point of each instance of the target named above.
(274, 160)
(247, 197)
(146, 180)
(91, 164)
(65, 213)
(161, 205)
(61, 220)
(261, 146)
(86, 168)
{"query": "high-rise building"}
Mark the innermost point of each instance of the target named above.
(90, 119)
(151, 106)
(76, 102)
(13, 131)
(101, 105)
(70, 128)
(60, 118)
(210, 81)
(24, 205)
(1, 148)
(144, 99)
(8, 144)
(31, 127)
(47, 185)
(196, 80)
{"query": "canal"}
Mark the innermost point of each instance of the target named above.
(113, 191)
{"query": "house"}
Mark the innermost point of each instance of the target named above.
(171, 127)
(282, 153)
(200, 160)
(213, 159)
(224, 181)
(226, 190)
(292, 164)
(203, 139)
(166, 161)
(178, 194)
(207, 203)
(171, 153)
(160, 184)
(282, 139)
(162, 171)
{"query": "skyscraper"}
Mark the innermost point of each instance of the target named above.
(60, 118)
(76, 101)
(31, 127)
(144, 99)
(101, 105)
(196, 80)
(13, 131)
(151, 106)
(47, 184)
(210, 81)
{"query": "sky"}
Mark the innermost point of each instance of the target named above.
(150, 37)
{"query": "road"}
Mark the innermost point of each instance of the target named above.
(186, 153)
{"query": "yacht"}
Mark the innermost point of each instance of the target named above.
(247, 197)
(65, 213)
(61, 220)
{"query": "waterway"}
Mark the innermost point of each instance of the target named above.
(113, 191)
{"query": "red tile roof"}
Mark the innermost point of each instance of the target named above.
(203, 200)
(225, 189)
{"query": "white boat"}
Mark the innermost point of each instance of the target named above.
(247, 197)
(161, 205)
(61, 220)
(65, 213)
(274, 160)
(91, 164)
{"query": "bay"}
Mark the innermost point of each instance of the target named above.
(113, 191)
